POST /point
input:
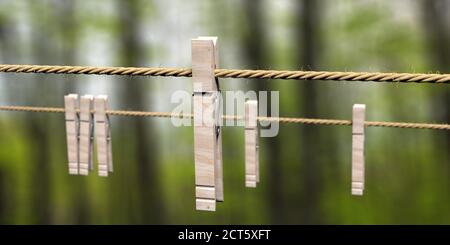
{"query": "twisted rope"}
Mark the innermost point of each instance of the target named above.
(233, 117)
(233, 73)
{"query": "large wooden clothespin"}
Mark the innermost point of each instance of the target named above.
(103, 136)
(71, 105)
(207, 116)
(358, 149)
(251, 144)
(86, 135)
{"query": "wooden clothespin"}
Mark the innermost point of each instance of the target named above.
(71, 105)
(251, 144)
(207, 133)
(103, 136)
(359, 111)
(86, 135)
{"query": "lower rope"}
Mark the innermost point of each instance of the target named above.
(233, 117)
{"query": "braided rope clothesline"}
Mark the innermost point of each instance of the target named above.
(233, 117)
(232, 73)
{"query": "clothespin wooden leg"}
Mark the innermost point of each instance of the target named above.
(71, 104)
(86, 131)
(358, 149)
(207, 136)
(251, 144)
(205, 143)
(103, 136)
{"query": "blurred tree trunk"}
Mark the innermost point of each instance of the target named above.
(253, 43)
(6, 37)
(41, 126)
(436, 24)
(133, 92)
(308, 22)
(67, 27)
(38, 131)
(41, 180)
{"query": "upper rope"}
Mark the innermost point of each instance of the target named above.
(233, 73)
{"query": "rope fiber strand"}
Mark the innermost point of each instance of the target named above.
(232, 73)
(232, 117)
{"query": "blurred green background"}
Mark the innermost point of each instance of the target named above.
(305, 170)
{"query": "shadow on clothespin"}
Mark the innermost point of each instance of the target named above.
(359, 111)
(71, 105)
(103, 136)
(251, 144)
(207, 116)
(86, 135)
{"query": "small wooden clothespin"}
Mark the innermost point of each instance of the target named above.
(86, 135)
(207, 133)
(358, 149)
(103, 136)
(251, 144)
(71, 105)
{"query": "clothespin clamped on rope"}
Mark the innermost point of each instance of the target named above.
(71, 105)
(251, 144)
(207, 116)
(103, 136)
(86, 146)
(358, 149)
